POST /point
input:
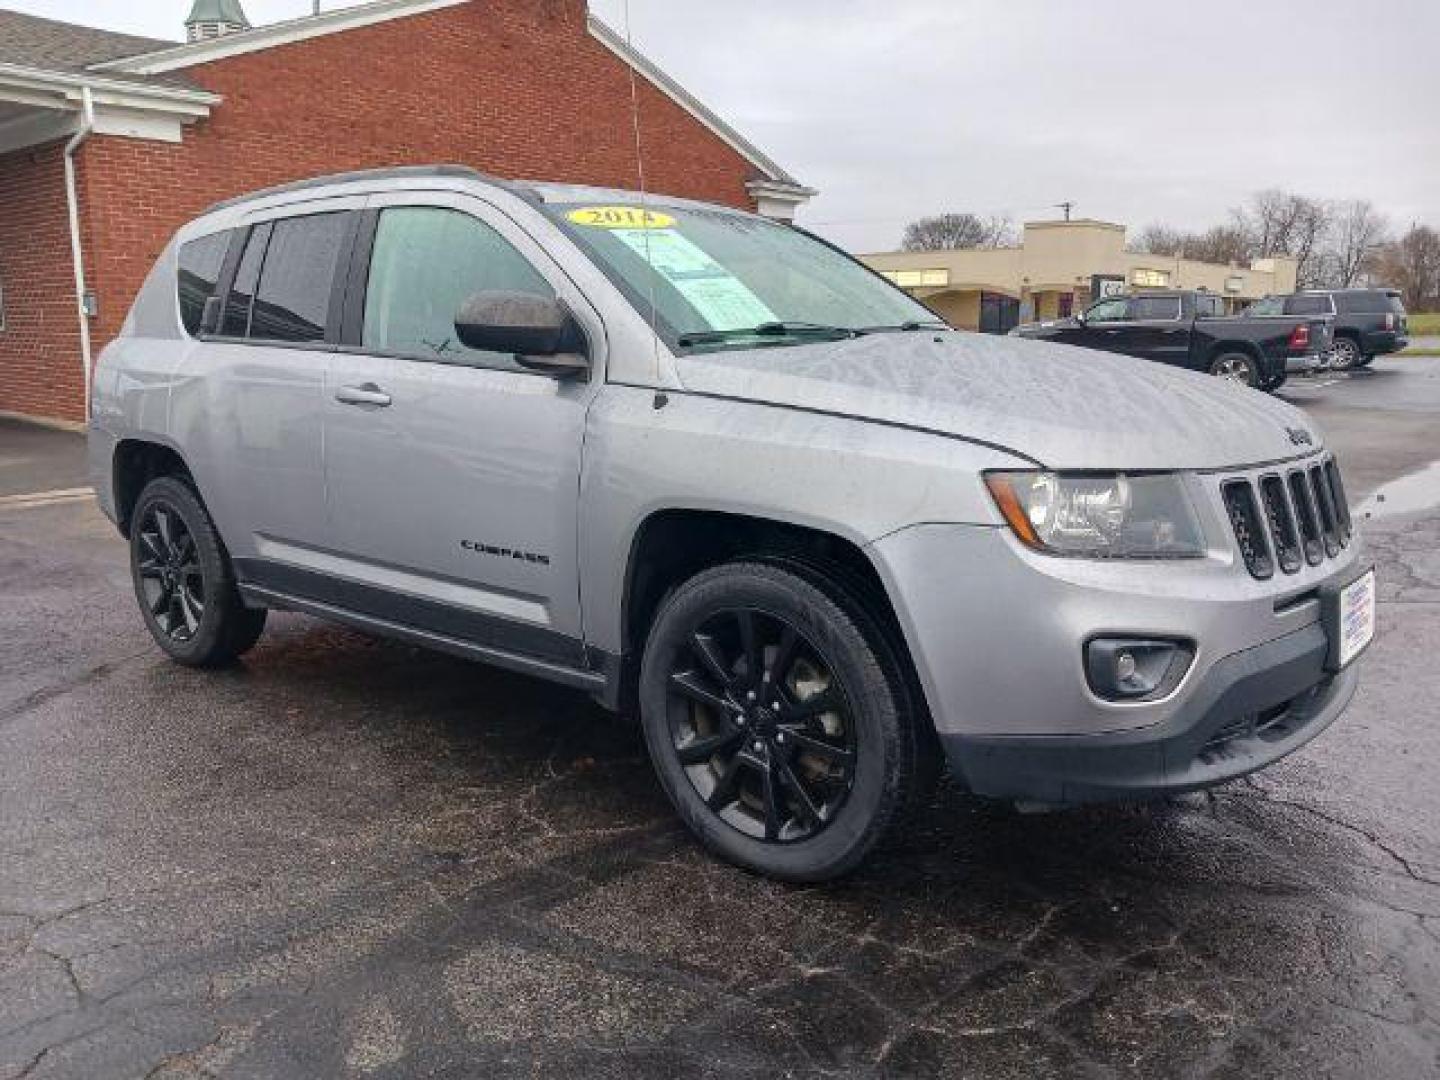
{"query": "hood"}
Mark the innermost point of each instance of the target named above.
(1063, 407)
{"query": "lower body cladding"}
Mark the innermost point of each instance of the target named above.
(1002, 638)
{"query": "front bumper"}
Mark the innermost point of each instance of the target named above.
(1250, 709)
(998, 635)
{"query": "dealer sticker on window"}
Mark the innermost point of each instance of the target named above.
(1356, 618)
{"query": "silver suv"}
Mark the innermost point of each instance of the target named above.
(707, 467)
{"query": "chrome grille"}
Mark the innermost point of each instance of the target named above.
(1289, 518)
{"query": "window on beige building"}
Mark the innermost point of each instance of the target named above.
(915, 279)
(1150, 279)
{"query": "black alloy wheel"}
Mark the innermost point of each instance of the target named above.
(762, 726)
(780, 720)
(172, 584)
(184, 581)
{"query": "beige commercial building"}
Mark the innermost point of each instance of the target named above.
(1060, 267)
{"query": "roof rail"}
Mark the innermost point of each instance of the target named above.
(400, 172)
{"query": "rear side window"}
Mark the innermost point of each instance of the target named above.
(1271, 305)
(1368, 303)
(1155, 307)
(427, 262)
(1308, 305)
(236, 322)
(199, 274)
(297, 278)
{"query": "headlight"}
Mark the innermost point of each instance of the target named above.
(1147, 516)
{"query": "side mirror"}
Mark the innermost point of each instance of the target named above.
(540, 332)
(1079, 317)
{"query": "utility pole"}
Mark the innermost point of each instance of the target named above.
(1067, 207)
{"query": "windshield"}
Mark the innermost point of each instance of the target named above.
(725, 280)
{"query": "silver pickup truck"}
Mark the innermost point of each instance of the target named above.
(713, 471)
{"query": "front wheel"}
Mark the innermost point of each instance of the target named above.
(183, 579)
(778, 721)
(1237, 367)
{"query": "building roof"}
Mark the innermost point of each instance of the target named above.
(62, 46)
(30, 41)
(217, 11)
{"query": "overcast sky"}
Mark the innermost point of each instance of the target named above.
(1137, 111)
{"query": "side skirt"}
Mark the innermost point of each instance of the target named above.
(603, 685)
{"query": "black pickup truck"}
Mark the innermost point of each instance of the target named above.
(1186, 328)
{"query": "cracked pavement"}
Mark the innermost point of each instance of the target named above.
(348, 857)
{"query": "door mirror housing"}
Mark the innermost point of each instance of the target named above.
(539, 331)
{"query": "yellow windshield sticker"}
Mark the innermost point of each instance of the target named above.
(620, 217)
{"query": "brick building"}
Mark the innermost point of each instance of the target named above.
(108, 142)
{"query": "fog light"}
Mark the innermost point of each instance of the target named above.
(1124, 666)
(1131, 669)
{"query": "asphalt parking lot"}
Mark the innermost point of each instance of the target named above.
(352, 858)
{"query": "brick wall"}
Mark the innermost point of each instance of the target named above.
(518, 88)
(40, 371)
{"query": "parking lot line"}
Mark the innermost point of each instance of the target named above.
(35, 499)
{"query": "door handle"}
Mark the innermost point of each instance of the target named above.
(368, 394)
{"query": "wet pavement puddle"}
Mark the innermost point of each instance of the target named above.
(1407, 494)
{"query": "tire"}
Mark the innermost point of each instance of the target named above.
(1345, 354)
(1237, 367)
(184, 583)
(799, 784)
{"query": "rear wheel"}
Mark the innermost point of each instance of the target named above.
(778, 721)
(183, 580)
(1237, 367)
(1344, 354)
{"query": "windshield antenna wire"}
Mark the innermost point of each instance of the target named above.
(644, 200)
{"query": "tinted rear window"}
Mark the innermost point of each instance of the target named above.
(242, 293)
(292, 302)
(199, 273)
(1371, 302)
(1307, 305)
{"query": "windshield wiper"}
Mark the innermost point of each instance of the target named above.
(769, 329)
(905, 327)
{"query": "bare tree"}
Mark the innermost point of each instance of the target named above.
(948, 232)
(1359, 229)
(1224, 244)
(1412, 265)
(1283, 223)
(1157, 239)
